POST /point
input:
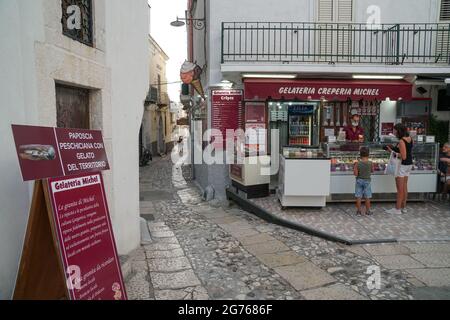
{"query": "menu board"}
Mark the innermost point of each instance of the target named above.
(85, 238)
(226, 112)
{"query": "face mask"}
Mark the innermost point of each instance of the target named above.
(355, 123)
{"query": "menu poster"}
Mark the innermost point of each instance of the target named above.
(226, 113)
(85, 237)
(256, 138)
(329, 132)
(236, 171)
(255, 112)
(387, 128)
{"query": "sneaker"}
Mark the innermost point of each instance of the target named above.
(394, 211)
(404, 210)
(369, 213)
(359, 213)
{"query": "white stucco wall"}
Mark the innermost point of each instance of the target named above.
(34, 55)
(399, 11)
(127, 55)
(18, 20)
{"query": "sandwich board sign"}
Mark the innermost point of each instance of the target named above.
(69, 250)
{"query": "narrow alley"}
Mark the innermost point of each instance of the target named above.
(198, 251)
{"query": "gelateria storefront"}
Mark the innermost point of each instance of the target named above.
(315, 158)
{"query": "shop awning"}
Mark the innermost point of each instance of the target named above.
(332, 90)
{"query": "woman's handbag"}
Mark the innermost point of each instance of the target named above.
(393, 165)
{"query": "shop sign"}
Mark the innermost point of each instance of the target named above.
(339, 90)
(85, 238)
(69, 248)
(54, 152)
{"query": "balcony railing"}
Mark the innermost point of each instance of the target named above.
(349, 43)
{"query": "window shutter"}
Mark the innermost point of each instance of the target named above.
(443, 34)
(325, 11)
(344, 36)
(344, 10)
(445, 10)
(335, 41)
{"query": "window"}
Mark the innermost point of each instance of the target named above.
(77, 20)
(335, 10)
(445, 10)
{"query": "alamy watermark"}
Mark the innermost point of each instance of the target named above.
(374, 280)
(234, 147)
(74, 17)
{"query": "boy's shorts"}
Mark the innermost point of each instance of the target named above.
(363, 189)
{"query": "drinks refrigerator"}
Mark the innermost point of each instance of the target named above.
(303, 122)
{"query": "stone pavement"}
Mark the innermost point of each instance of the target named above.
(423, 222)
(204, 251)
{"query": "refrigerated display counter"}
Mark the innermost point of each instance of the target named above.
(423, 178)
(304, 177)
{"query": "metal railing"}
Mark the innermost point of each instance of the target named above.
(351, 43)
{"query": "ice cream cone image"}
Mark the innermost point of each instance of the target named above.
(187, 72)
(197, 84)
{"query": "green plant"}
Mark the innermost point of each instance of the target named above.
(440, 129)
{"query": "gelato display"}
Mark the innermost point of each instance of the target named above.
(344, 156)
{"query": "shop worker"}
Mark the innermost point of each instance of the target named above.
(353, 132)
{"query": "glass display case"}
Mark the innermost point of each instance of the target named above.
(302, 152)
(343, 156)
(303, 124)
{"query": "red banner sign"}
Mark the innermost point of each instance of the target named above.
(337, 90)
(85, 236)
(54, 152)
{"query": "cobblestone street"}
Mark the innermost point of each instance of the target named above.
(204, 251)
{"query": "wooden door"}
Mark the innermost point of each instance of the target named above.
(72, 107)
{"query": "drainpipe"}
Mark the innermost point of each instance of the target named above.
(192, 142)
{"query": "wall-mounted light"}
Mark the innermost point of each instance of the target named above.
(198, 24)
